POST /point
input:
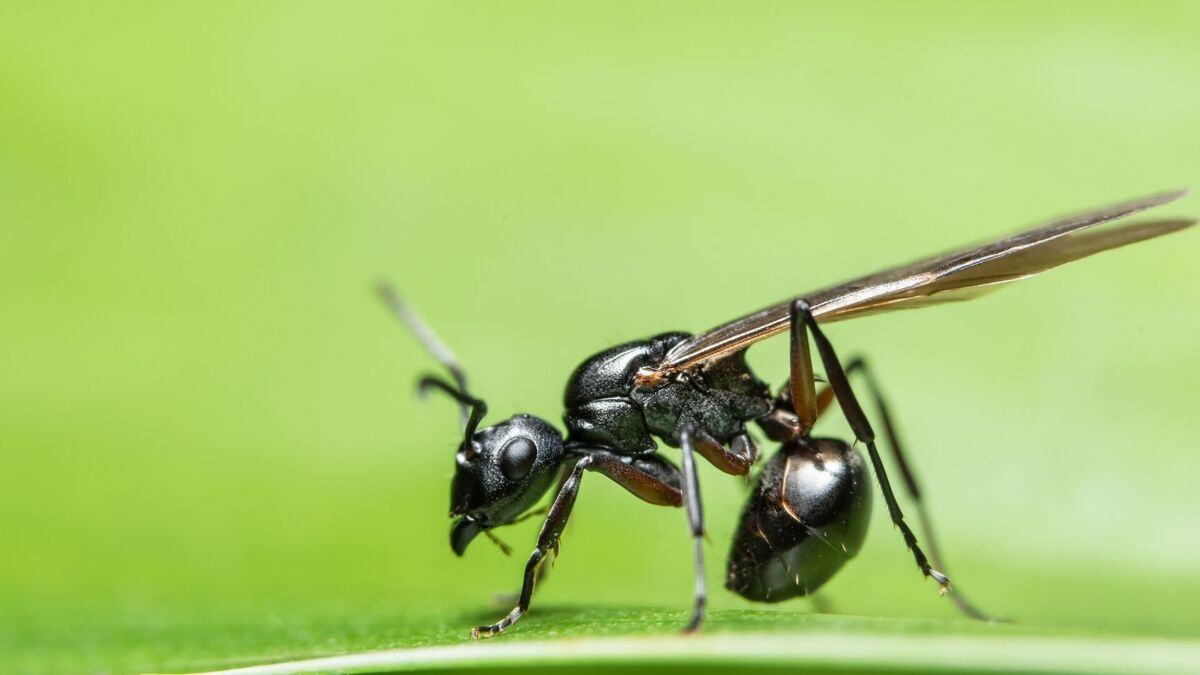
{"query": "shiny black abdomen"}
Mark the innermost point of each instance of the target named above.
(806, 517)
(604, 408)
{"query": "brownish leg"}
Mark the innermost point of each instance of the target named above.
(803, 380)
(654, 480)
(735, 460)
(648, 477)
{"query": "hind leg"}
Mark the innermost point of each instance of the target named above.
(859, 365)
(853, 412)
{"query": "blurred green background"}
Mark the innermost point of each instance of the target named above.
(210, 448)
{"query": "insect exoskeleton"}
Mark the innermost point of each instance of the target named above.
(810, 507)
(807, 516)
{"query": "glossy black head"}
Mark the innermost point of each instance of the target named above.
(500, 472)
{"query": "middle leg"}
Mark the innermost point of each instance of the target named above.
(695, 516)
(654, 480)
(735, 460)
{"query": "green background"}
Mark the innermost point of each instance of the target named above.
(210, 448)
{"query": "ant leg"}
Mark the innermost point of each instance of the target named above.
(735, 460)
(802, 382)
(859, 365)
(744, 445)
(695, 516)
(544, 569)
(553, 526)
(802, 312)
(794, 412)
(656, 481)
(650, 478)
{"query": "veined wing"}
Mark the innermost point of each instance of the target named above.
(960, 275)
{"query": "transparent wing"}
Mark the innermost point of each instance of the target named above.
(952, 277)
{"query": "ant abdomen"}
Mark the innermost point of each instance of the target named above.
(807, 515)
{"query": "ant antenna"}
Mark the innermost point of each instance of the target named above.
(477, 407)
(470, 410)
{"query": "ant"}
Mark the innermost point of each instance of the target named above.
(808, 511)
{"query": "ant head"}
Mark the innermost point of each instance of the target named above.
(501, 472)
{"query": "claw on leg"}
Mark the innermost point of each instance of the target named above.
(941, 579)
(697, 619)
(480, 632)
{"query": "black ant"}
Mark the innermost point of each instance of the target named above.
(808, 511)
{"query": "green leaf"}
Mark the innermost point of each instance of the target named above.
(210, 451)
(766, 641)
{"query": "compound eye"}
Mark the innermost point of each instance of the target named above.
(516, 459)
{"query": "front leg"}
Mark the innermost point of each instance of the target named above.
(552, 528)
(648, 477)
